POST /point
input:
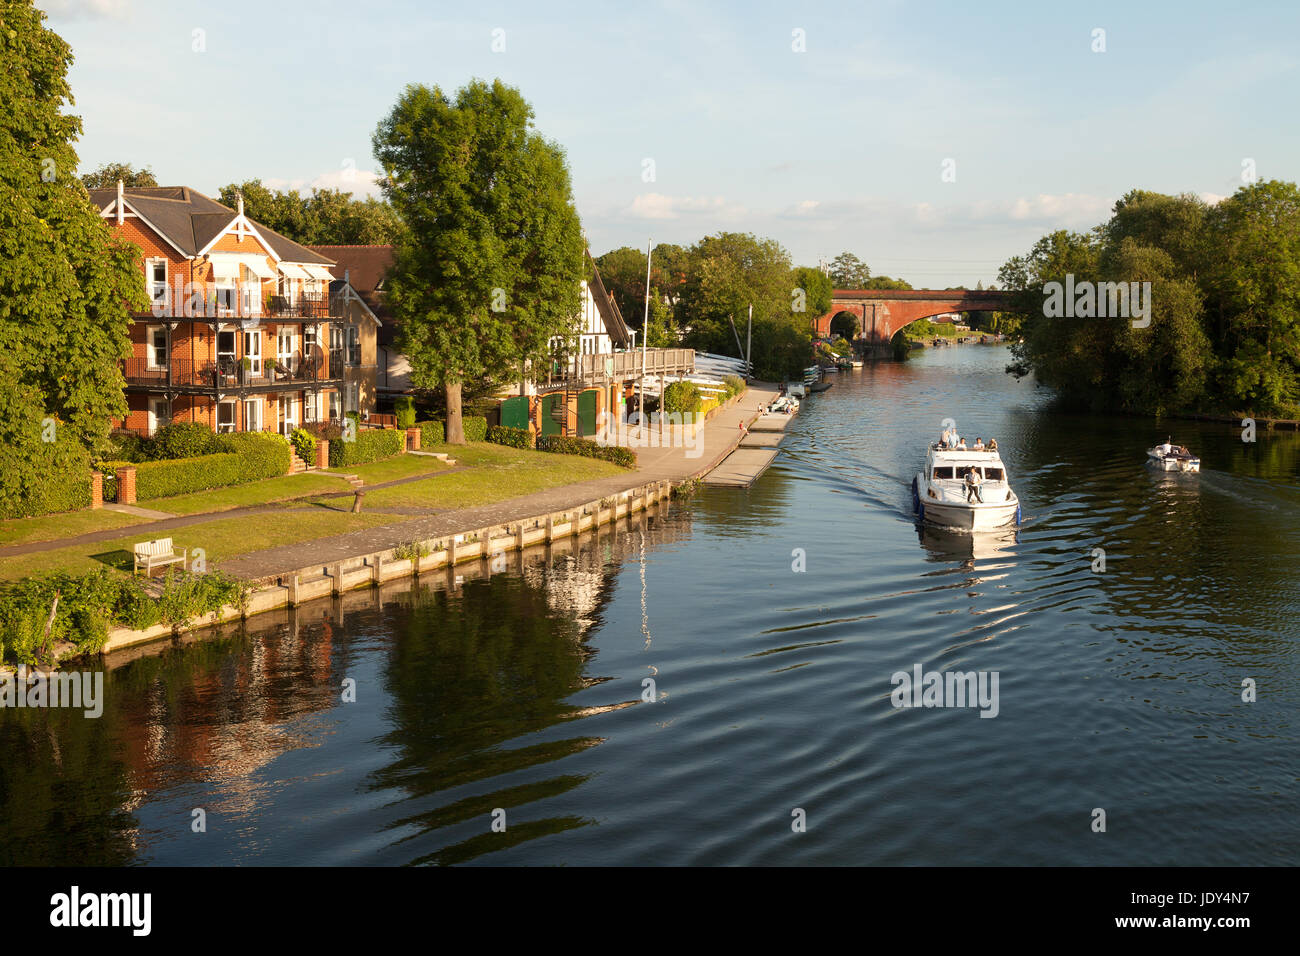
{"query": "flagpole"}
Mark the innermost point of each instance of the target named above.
(645, 337)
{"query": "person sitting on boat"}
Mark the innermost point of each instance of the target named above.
(961, 444)
(979, 444)
(993, 444)
(973, 485)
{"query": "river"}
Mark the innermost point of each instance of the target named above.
(771, 737)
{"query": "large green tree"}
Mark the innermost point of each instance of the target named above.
(1252, 287)
(734, 271)
(850, 272)
(67, 284)
(108, 175)
(487, 271)
(326, 217)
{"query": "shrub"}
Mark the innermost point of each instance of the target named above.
(431, 433)
(304, 443)
(252, 456)
(475, 427)
(181, 440)
(682, 397)
(560, 445)
(510, 437)
(404, 406)
(411, 551)
(372, 444)
(91, 603)
(735, 385)
(127, 446)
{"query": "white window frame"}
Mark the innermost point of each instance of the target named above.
(286, 359)
(151, 348)
(157, 289)
(253, 421)
(227, 428)
(336, 406)
(253, 350)
(157, 421)
(289, 415)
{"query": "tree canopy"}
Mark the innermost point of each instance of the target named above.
(488, 269)
(60, 383)
(1225, 305)
(108, 174)
(850, 272)
(326, 217)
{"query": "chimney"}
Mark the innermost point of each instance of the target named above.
(241, 203)
(120, 191)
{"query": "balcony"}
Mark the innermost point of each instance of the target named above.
(227, 375)
(235, 302)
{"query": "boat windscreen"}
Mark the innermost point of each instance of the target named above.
(941, 474)
(993, 474)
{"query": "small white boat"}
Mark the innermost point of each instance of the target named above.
(1170, 457)
(940, 494)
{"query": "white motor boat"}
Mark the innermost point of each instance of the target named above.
(940, 494)
(1169, 457)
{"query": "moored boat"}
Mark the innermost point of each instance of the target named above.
(941, 495)
(1170, 457)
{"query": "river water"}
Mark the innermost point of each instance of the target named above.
(525, 690)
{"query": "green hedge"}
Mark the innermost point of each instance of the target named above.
(435, 433)
(559, 445)
(251, 456)
(372, 444)
(431, 433)
(511, 437)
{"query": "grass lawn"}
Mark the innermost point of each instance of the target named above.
(50, 527)
(219, 538)
(254, 493)
(399, 466)
(495, 474)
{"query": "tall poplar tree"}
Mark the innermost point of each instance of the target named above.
(487, 271)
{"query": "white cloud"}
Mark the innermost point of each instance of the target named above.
(85, 9)
(659, 206)
(360, 183)
(1211, 199)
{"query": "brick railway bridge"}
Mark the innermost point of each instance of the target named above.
(879, 313)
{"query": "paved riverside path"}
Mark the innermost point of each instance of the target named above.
(721, 435)
(168, 521)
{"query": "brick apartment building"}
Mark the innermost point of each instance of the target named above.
(240, 335)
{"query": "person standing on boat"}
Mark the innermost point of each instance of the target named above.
(973, 485)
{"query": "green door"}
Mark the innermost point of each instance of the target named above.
(514, 412)
(587, 413)
(552, 413)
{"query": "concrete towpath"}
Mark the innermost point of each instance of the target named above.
(721, 435)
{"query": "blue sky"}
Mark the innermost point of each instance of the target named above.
(840, 146)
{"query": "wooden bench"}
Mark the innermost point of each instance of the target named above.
(157, 553)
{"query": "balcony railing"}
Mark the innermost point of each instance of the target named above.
(228, 372)
(236, 302)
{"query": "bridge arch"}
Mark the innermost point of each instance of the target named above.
(884, 311)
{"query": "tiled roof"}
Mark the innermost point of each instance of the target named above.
(191, 220)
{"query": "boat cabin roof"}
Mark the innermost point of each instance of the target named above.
(951, 456)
